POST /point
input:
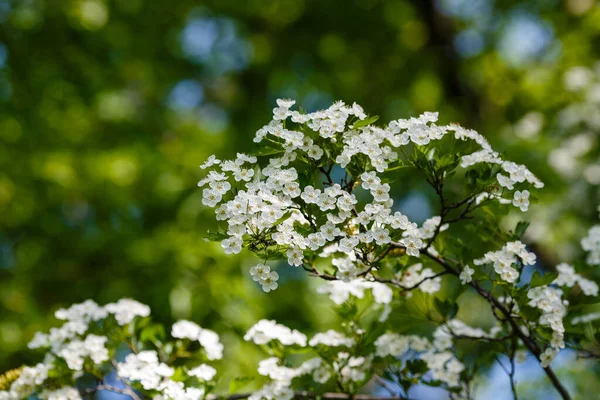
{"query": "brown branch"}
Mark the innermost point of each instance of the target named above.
(327, 174)
(511, 376)
(495, 303)
(314, 272)
(409, 288)
(529, 342)
(485, 338)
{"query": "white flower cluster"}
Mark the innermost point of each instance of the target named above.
(343, 365)
(68, 341)
(174, 390)
(443, 335)
(516, 173)
(275, 390)
(549, 301)
(64, 393)
(351, 369)
(262, 274)
(280, 386)
(203, 372)
(264, 331)
(505, 259)
(554, 308)
(423, 277)
(79, 317)
(584, 319)
(125, 310)
(208, 339)
(340, 291)
(75, 346)
(153, 375)
(571, 157)
(443, 365)
(27, 383)
(331, 338)
(268, 206)
(145, 368)
(591, 244)
(569, 278)
(77, 351)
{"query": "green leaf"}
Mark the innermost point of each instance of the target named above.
(447, 309)
(417, 367)
(542, 280)
(283, 218)
(274, 255)
(238, 383)
(471, 177)
(265, 150)
(521, 228)
(431, 154)
(153, 333)
(366, 121)
(179, 375)
(215, 236)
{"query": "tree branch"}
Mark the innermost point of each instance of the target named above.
(527, 341)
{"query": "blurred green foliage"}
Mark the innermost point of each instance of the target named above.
(107, 107)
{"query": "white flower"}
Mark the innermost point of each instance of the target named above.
(310, 195)
(242, 174)
(370, 180)
(330, 231)
(212, 160)
(340, 291)
(145, 368)
(547, 357)
(295, 256)
(466, 274)
(412, 244)
(505, 181)
(125, 310)
(315, 152)
(76, 351)
(275, 390)
(292, 189)
(265, 331)
(521, 200)
(381, 192)
(209, 340)
(64, 393)
(28, 380)
(285, 103)
(203, 372)
(185, 330)
(419, 136)
(331, 338)
(259, 272)
(211, 197)
(381, 236)
(269, 281)
(321, 375)
(232, 245)
(591, 244)
(84, 312)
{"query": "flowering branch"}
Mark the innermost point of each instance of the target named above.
(345, 232)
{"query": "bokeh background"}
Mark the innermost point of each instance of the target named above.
(107, 108)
